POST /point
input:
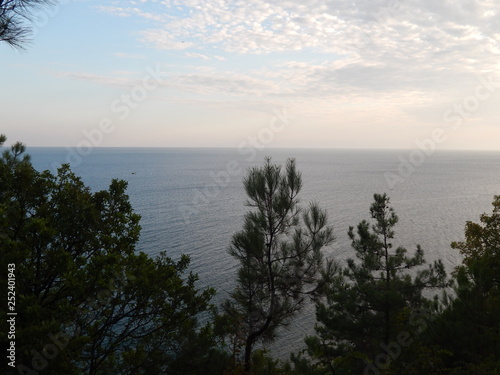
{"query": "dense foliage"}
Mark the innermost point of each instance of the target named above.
(469, 328)
(88, 303)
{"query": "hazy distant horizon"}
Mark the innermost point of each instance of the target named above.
(9, 143)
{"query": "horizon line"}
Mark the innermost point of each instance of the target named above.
(262, 149)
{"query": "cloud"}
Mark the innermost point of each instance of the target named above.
(117, 11)
(128, 11)
(414, 53)
(197, 56)
(376, 31)
(125, 55)
(204, 57)
(224, 83)
(204, 81)
(100, 79)
(162, 39)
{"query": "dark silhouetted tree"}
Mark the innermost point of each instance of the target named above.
(279, 251)
(372, 299)
(87, 302)
(469, 328)
(15, 19)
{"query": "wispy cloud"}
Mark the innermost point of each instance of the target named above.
(128, 11)
(204, 81)
(125, 55)
(257, 26)
(162, 39)
(117, 11)
(100, 79)
(196, 55)
(412, 52)
(446, 34)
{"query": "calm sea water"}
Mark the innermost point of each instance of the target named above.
(192, 200)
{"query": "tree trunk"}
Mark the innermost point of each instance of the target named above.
(248, 354)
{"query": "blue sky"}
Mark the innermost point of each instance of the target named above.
(365, 74)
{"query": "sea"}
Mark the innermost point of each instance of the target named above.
(192, 201)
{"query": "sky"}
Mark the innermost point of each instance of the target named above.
(222, 73)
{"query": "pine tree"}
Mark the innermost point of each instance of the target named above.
(372, 299)
(279, 250)
(15, 16)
